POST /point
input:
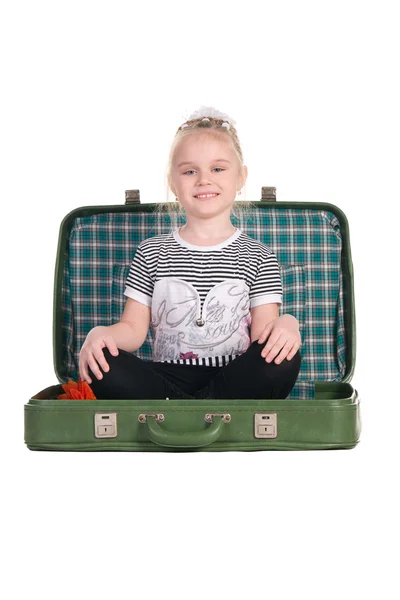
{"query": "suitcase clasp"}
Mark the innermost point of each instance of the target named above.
(105, 425)
(266, 425)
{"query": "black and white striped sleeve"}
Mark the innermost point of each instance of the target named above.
(139, 283)
(267, 287)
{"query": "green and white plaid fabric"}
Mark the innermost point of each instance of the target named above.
(308, 245)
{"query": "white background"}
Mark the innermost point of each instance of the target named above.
(92, 94)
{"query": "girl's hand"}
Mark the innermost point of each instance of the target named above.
(91, 353)
(284, 339)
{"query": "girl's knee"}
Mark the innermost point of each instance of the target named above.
(289, 366)
(111, 358)
(293, 364)
(111, 361)
(107, 354)
(104, 387)
(283, 376)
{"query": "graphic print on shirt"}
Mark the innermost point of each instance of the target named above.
(184, 329)
(203, 269)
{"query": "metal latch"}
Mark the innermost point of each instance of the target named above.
(266, 425)
(105, 425)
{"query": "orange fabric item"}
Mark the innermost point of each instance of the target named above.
(79, 390)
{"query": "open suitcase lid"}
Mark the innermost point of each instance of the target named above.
(311, 241)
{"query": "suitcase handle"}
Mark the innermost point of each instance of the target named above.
(187, 439)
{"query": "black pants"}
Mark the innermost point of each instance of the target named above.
(248, 376)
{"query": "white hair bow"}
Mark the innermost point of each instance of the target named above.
(210, 111)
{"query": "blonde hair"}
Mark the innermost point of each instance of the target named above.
(213, 126)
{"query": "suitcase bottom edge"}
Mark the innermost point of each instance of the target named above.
(289, 446)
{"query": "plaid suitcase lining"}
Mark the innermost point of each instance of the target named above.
(308, 246)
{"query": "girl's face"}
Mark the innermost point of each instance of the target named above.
(206, 164)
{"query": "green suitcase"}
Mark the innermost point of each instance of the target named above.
(95, 249)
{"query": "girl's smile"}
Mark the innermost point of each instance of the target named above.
(206, 196)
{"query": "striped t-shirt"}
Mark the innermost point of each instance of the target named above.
(201, 296)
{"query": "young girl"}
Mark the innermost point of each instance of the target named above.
(210, 292)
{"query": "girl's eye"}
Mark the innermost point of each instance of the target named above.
(192, 170)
